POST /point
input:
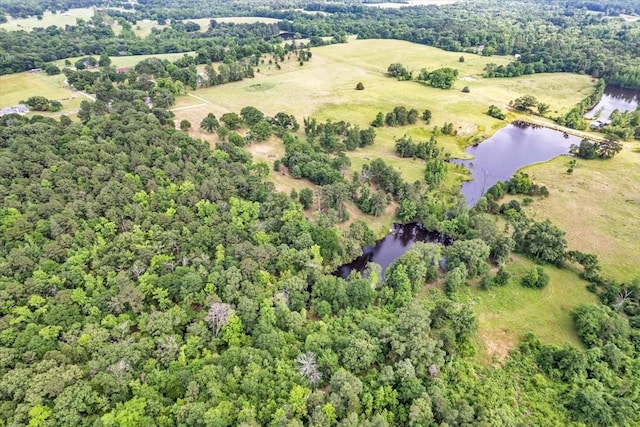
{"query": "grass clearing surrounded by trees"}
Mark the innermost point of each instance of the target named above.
(127, 60)
(59, 19)
(506, 313)
(18, 87)
(598, 206)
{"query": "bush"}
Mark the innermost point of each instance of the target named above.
(466, 89)
(185, 124)
(535, 278)
(502, 277)
(359, 86)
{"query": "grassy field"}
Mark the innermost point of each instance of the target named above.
(129, 60)
(18, 87)
(325, 88)
(506, 313)
(48, 19)
(143, 28)
(598, 206)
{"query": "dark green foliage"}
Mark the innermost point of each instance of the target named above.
(185, 124)
(251, 115)
(591, 149)
(40, 103)
(473, 254)
(231, 120)
(442, 78)
(426, 116)
(305, 198)
(52, 69)
(524, 103)
(337, 136)
(400, 116)
(496, 113)
(544, 242)
(359, 86)
(405, 147)
(535, 278)
(502, 277)
(209, 123)
(399, 71)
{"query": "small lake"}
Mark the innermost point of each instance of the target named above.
(615, 98)
(401, 238)
(511, 148)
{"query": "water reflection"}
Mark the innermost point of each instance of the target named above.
(511, 148)
(401, 238)
(614, 98)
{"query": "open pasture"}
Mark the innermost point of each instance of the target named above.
(598, 206)
(127, 60)
(325, 88)
(18, 87)
(59, 19)
(506, 313)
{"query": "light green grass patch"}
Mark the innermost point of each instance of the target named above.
(598, 206)
(18, 87)
(129, 60)
(204, 22)
(59, 19)
(506, 313)
(143, 28)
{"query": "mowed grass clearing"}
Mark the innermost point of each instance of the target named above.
(598, 206)
(507, 313)
(126, 61)
(59, 19)
(204, 22)
(18, 87)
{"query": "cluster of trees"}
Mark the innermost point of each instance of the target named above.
(224, 42)
(400, 116)
(436, 168)
(442, 78)
(399, 71)
(496, 112)
(592, 149)
(623, 124)
(527, 103)
(232, 72)
(260, 126)
(40, 103)
(338, 136)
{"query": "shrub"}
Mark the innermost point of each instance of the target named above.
(535, 278)
(359, 86)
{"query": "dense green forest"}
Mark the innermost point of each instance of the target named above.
(147, 278)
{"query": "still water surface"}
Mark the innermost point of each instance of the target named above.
(511, 148)
(615, 98)
(386, 250)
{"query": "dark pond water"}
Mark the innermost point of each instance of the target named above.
(614, 98)
(392, 246)
(511, 148)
